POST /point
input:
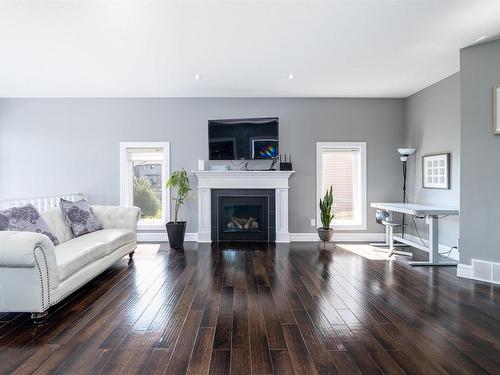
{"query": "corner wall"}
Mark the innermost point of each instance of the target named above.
(433, 126)
(480, 160)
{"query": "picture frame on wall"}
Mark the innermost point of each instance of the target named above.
(496, 110)
(436, 171)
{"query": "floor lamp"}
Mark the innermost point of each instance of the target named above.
(404, 154)
(383, 217)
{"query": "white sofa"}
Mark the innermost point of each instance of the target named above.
(35, 274)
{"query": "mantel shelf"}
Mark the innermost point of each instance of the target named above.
(250, 174)
(243, 179)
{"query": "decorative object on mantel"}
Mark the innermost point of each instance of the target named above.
(201, 165)
(496, 110)
(243, 165)
(177, 229)
(326, 207)
(286, 165)
(436, 171)
(224, 167)
(273, 163)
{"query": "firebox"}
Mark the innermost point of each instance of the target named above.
(243, 215)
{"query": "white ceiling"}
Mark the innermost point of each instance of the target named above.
(240, 48)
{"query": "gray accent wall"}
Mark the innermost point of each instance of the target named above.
(433, 126)
(480, 159)
(54, 146)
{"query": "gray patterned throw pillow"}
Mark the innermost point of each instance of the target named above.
(79, 217)
(25, 219)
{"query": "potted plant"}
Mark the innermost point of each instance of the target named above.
(326, 207)
(177, 229)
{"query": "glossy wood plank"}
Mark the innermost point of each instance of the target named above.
(262, 309)
(220, 363)
(202, 352)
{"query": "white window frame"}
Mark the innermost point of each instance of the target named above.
(361, 146)
(125, 181)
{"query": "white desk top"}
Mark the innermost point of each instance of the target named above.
(415, 209)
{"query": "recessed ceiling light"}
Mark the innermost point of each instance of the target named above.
(291, 76)
(481, 38)
(197, 76)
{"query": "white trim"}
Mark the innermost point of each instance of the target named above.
(124, 175)
(162, 237)
(339, 237)
(464, 270)
(243, 179)
(294, 237)
(41, 203)
(204, 237)
(320, 146)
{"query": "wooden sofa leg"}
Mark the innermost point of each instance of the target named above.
(39, 318)
(131, 255)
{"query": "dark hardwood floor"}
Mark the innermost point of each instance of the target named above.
(254, 309)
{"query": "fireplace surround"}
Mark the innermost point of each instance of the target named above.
(275, 181)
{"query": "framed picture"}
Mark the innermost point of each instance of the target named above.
(496, 110)
(436, 171)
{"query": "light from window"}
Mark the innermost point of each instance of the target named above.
(143, 177)
(341, 166)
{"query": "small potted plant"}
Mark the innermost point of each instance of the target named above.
(326, 207)
(177, 229)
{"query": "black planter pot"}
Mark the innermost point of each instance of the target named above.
(176, 232)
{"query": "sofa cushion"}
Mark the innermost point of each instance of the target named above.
(113, 238)
(79, 252)
(54, 219)
(79, 217)
(25, 219)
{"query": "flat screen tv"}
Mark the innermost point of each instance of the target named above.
(255, 138)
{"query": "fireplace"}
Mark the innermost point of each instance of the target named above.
(243, 215)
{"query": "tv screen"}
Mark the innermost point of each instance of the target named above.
(243, 139)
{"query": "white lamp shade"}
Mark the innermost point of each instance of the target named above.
(406, 151)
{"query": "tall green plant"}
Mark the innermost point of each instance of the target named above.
(180, 181)
(326, 207)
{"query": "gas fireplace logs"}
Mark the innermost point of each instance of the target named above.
(243, 224)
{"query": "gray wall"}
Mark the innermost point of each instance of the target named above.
(432, 126)
(480, 159)
(51, 146)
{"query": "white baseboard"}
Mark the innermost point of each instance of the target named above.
(464, 270)
(455, 254)
(294, 237)
(162, 237)
(339, 236)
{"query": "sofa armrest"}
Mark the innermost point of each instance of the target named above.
(118, 216)
(28, 271)
(29, 250)
(17, 249)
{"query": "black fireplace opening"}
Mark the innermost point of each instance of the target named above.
(244, 215)
(243, 218)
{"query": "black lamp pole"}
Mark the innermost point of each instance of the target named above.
(404, 195)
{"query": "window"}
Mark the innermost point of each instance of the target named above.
(144, 169)
(342, 165)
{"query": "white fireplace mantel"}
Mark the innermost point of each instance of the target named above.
(208, 180)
